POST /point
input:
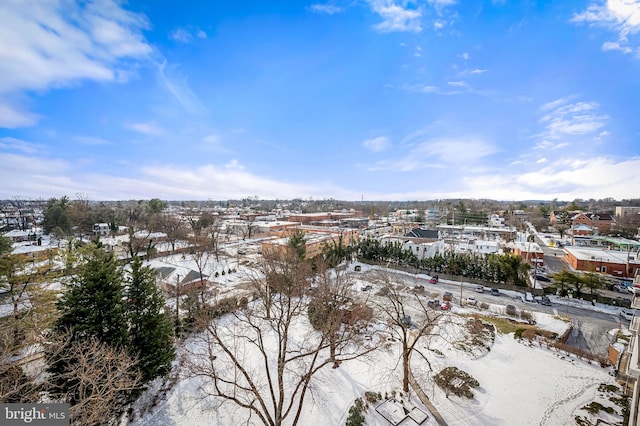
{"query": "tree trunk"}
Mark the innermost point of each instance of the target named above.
(405, 369)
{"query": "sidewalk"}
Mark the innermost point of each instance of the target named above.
(425, 400)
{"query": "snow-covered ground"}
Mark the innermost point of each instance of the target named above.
(520, 383)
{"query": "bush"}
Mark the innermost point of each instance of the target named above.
(594, 407)
(607, 388)
(371, 397)
(356, 417)
(526, 315)
(529, 334)
(456, 381)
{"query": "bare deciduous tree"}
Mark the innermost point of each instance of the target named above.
(104, 378)
(264, 356)
(408, 320)
(172, 226)
(333, 309)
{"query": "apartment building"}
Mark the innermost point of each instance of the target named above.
(631, 367)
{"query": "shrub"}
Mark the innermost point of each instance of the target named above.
(456, 381)
(529, 334)
(526, 315)
(371, 397)
(356, 417)
(607, 388)
(594, 407)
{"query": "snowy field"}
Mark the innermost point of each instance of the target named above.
(520, 383)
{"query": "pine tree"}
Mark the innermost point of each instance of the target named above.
(93, 303)
(91, 308)
(150, 333)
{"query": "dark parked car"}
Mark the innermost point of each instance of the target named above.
(543, 278)
(495, 292)
(434, 304)
(511, 310)
(545, 301)
(447, 296)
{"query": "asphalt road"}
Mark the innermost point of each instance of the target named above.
(591, 327)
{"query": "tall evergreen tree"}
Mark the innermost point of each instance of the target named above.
(93, 303)
(297, 244)
(92, 308)
(151, 329)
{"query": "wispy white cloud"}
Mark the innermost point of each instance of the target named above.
(146, 128)
(35, 177)
(614, 45)
(396, 17)
(452, 88)
(564, 119)
(379, 144)
(211, 139)
(439, 153)
(57, 43)
(181, 35)
(546, 145)
(426, 88)
(442, 3)
(186, 34)
(620, 16)
(170, 79)
(92, 140)
(325, 8)
(11, 116)
(14, 144)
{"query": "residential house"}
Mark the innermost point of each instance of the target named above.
(603, 222)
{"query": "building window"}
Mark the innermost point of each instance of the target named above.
(604, 269)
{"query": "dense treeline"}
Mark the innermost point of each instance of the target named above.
(508, 268)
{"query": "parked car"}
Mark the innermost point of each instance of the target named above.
(445, 306)
(543, 278)
(545, 301)
(471, 301)
(419, 287)
(626, 313)
(434, 279)
(511, 310)
(479, 289)
(366, 287)
(434, 304)
(447, 296)
(495, 292)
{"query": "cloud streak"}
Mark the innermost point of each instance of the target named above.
(46, 45)
(379, 144)
(563, 118)
(619, 16)
(396, 17)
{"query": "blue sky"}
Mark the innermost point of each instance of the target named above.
(373, 99)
